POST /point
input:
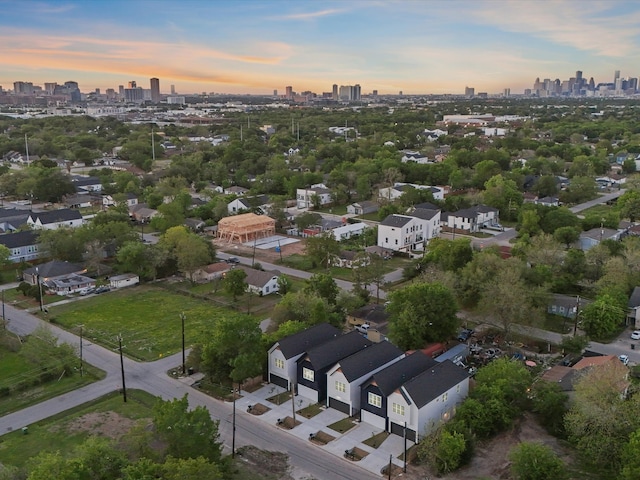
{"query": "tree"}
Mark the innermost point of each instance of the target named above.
(187, 433)
(192, 469)
(231, 350)
(324, 286)
(43, 350)
(550, 404)
(630, 459)
(602, 317)
(189, 250)
(450, 255)
(502, 194)
(567, 235)
(235, 283)
(601, 419)
(305, 307)
(580, 190)
(421, 313)
(555, 218)
(46, 466)
(443, 450)
(629, 205)
(369, 269)
(536, 461)
(63, 243)
(321, 248)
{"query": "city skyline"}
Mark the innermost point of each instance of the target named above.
(259, 47)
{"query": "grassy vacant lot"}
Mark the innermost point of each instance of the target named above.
(148, 318)
(598, 210)
(66, 430)
(302, 262)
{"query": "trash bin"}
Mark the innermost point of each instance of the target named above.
(25, 430)
(190, 370)
(633, 346)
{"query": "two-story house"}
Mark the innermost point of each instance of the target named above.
(313, 365)
(397, 190)
(23, 246)
(405, 233)
(284, 354)
(306, 197)
(346, 376)
(471, 220)
(258, 204)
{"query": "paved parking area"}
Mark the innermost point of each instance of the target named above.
(375, 461)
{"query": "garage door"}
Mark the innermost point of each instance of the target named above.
(277, 380)
(373, 419)
(399, 430)
(307, 392)
(340, 406)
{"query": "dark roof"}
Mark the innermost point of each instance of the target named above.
(434, 382)
(19, 239)
(395, 221)
(473, 211)
(372, 313)
(55, 216)
(427, 206)
(424, 214)
(335, 350)
(55, 268)
(371, 358)
(394, 376)
(80, 181)
(258, 278)
(634, 300)
(300, 342)
(7, 213)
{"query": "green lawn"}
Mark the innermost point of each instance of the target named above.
(20, 382)
(148, 318)
(597, 210)
(56, 433)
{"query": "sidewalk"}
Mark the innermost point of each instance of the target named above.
(374, 462)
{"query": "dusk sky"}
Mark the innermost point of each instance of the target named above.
(256, 46)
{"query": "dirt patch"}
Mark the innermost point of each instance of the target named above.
(321, 438)
(107, 424)
(257, 409)
(265, 463)
(287, 422)
(491, 459)
(270, 256)
(355, 454)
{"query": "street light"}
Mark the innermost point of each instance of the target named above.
(39, 288)
(184, 363)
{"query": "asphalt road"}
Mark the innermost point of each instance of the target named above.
(152, 377)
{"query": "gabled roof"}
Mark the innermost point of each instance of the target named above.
(55, 216)
(599, 233)
(634, 300)
(55, 268)
(300, 342)
(426, 206)
(394, 376)
(258, 278)
(10, 213)
(434, 382)
(372, 313)
(473, 211)
(396, 221)
(335, 350)
(587, 362)
(216, 267)
(425, 214)
(19, 239)
(359, 364)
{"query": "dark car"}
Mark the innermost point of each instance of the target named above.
(233, 260)
(102, 289)
(464, 334)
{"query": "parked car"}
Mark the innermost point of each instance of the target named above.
(364, 328)
(233, 260)
(635, 335)
(624, 359)
(464, 334)
(102, 289)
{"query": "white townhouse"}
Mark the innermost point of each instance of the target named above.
(472, 219)
(404, 233)
(284, 354)
(393, 193)
(427, 400)
(305, 196)
(346, 376)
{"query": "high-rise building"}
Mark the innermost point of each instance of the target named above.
(356, 92)
(173, 89)
(50, 87)
(121, 92)
(275, 92)
(374, 93)
(507, 92)
(334, 91)
(134, 95)
(288, 91)
(73, 90)
(616, 76)
(155, 90)
(22, 88)
(469, 92)
(111, 94)
(133, 84)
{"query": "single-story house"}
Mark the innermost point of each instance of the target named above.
(256, 204)
(547, 201)
(49, 270)
(261, 282)
(84, 184)
(12, 219)
(375, 391)
(210, 272)
(82, 200)
(315, 363)
(23, 246)
(124, 280)
(194, 224)
(362, 208)
(566, 305)
(593, 237)
(346, 376)
(109, 201)
(53, 219)
(67, 284)
(142, 213)
(344, 259)
(349, 230)
(236, 190)
(284, 354)
(397, 190)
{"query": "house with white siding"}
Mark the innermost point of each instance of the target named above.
(284, 354)
(261, 282)
(23, 246)
(305, 196)
(54, 219)
(397, 190)
(346, 376)
(471, 220)
(406, 233)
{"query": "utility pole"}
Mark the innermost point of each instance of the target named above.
(293, 403)
(81, 362)
(405, 448)
(4, 319)
(575, 318)
(124, 387)
(184, 363)
(39, 288)
(233, 431)
(153, 145)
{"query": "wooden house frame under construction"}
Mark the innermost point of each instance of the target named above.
(245, 228)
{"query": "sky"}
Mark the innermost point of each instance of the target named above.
(258, 46)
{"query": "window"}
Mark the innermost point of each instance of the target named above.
(458, 388)
(307, 374)
(375, 400)
(279, 363)
(398, 409)
(445, 397)
(340, 387)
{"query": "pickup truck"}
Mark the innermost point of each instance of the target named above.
(364, 328)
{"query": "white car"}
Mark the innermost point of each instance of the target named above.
(635, 335)
(364, 328)
(624, 359)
